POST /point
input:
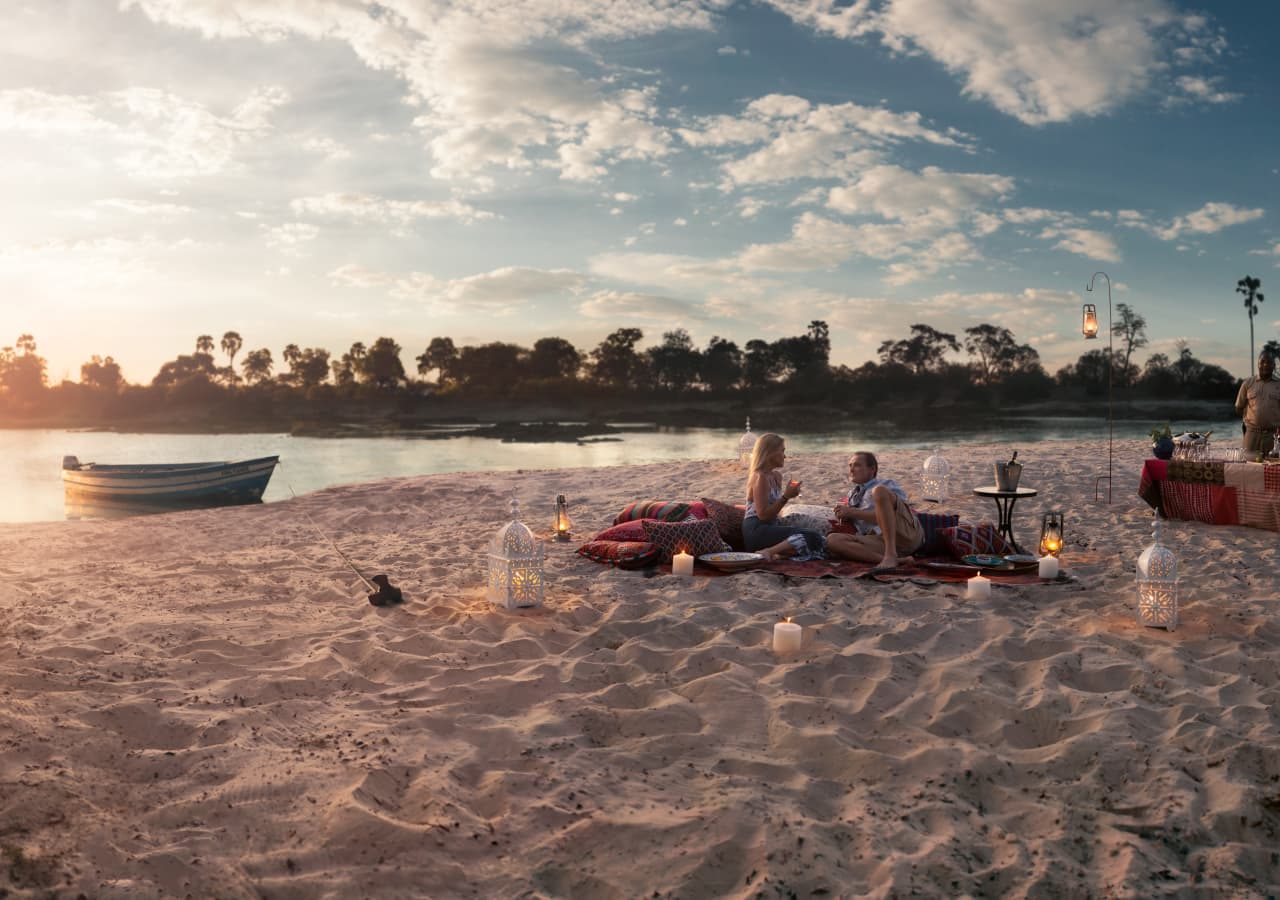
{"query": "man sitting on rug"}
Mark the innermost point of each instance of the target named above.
(877, 507)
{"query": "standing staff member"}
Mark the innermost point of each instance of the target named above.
(1259, 403)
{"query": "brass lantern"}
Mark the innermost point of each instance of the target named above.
(1090, 324)
(1051, 534)
(561, 524)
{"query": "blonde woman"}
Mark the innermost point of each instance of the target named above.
(766, 496)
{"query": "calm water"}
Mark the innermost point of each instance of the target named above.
(31, 486)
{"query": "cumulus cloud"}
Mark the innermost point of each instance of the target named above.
(1038, 62)
(1208, 219)
(630, 306)
(150, 133)
(796, 139)
(359, 207)
(931, 195)
(1084, 242)
(1205, 90)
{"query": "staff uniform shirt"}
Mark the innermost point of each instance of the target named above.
(1260, 402)
(860, 498)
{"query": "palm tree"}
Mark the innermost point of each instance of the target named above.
(204, 344)
(1248, 286)
(231, 344)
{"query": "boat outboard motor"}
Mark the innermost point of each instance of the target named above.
(70, 462)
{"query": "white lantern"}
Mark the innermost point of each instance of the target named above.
(515, 565)
(746, 444)
(1158, 584)
(937, 477)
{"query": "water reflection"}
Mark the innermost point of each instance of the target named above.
(31, 486)
(79, 507)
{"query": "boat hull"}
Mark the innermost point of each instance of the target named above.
(212, 483)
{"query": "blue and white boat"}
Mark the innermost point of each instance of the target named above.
(204, 483)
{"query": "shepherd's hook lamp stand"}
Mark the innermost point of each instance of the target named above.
(1090, 330)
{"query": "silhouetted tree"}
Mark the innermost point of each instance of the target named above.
(675, 362)
(615, 361)
(495, 366)
(22, 371)
(721, 364)
(184, 368)
(554, 357)
(1248, 286)
(804, 357)
(381, 364)
(760, 365)
(204, 344)
(103, 374)
(996, 353)
(257, 365)
(1132, 329)
(440, 355)
(231, 344)
(307, 368)
(924, 351)
(1272, 349)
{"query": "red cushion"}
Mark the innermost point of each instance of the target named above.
(933, 524)
(968, 538)
(624, 531)
(697, 537)
(623, 554)
(663, 510)
(728, 521)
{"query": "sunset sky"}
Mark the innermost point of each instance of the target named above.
(322, 172)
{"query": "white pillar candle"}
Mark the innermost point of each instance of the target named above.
(786, 637)
(1048, 567)
(682, 564)
(979, 588)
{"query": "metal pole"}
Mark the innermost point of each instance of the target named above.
(1111, 353)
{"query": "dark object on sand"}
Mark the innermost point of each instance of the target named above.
(387, 594)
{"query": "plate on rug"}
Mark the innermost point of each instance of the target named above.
(731, 561)
(984, 561)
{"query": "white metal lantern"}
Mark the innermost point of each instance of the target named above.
(936, 479)
(746, 444)
(1158, 584)
(515, 565)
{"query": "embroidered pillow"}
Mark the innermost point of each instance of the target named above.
(968, 538)
(624, 531)
(808, 521)
(728, 521)
(697, 537)
(623, 554)
(932, 525)
(663, 510)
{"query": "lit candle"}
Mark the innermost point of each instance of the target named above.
(682, 564)
(786, 637)
(979, 588)
(1048, 567)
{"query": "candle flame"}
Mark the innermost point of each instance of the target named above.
(787, 619)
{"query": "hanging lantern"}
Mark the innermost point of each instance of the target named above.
(1090, 325)
(1051, 534)
(560, 524)
(1158, 584)
(936, 479)
(515, 565)
(746, 444)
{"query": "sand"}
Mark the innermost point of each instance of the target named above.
(204, 704)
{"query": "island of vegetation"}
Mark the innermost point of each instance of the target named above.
(555, 390)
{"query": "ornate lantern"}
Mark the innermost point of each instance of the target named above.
(561, 523)
(515, 565)
(936, 480)
(1089, 327)
(1158, 584)
(746, 444)
(1051, 534)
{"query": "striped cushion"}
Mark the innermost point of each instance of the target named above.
(662, 510)
(623, 554)
(934, 542)
(968, 538)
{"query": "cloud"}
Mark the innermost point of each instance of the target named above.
(630, 306)
(291, 238)
(150, 133)
(796, 139)
(932, 195)
(1208, 219)
(1084, 242)
(1204, 89)
(359, 207)
(1037, 62)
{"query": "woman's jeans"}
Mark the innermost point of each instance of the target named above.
(757, 535)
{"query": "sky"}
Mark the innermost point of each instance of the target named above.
(322, 172)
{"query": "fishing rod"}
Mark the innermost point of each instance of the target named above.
(384, 592)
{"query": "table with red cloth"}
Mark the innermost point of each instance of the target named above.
(1215, 492)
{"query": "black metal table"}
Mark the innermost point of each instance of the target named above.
(1004, 505)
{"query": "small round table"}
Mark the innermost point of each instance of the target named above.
(1004, 505)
